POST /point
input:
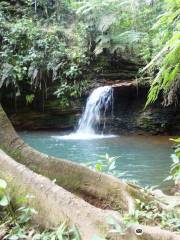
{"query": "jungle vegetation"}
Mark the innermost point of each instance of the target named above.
(58, 42)
(57, 45)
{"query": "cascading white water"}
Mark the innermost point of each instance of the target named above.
(99, 102)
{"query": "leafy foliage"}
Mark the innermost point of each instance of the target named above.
(175, 167)
(36, 48)
(146, 213)
(4, 199)
(45, 43)
(166, 60)
(16, 220)
(67, 91)
(105, 164)
(61, 233)
(150, 214)
(11, 207)
(122, 27)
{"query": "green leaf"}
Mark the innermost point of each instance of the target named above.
(60, 231)
(112, 166)
(175, 158)
(3, 184)
(4, 201)
(168, 178)
(177, 140)
(98, 167)
(76, 233)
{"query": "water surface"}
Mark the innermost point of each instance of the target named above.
(145, 159)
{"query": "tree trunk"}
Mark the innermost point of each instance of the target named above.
(55, 205)
(71, 176)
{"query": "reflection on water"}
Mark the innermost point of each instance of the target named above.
(144, 159)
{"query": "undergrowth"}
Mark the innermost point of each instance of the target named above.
(15, 220)
(16, 214)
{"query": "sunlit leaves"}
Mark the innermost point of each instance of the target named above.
(175, 167)
(105, 164)
(4, 199)
(120, 26)
(61, 233)
(3, 184)
(34, 52)
(166, 61)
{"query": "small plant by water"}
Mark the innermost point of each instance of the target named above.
(144, 213)
(15, 220)
(174, 173)
(105, 163)
(175, 167)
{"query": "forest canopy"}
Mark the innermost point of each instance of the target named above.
(45, 42)
(120, 56)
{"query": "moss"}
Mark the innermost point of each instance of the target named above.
(146, 123)
(13, 152)
(16, 190)
(53, 103)
(71, 183)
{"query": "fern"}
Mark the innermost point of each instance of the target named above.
(167, 61)
(118, 25)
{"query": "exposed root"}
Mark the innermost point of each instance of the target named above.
(69, 175)
(56, 204)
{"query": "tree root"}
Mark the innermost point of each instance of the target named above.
(150, 233)
(71, 176)
(56, 205)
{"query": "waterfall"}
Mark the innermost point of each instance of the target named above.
(100, 100)
(93, 121)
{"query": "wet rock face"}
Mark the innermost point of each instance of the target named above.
(44, 121)
(54, 117)
(131, 117)
(159, 120)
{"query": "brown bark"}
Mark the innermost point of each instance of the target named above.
(150, 233)
(54, 203)
(69, 175)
